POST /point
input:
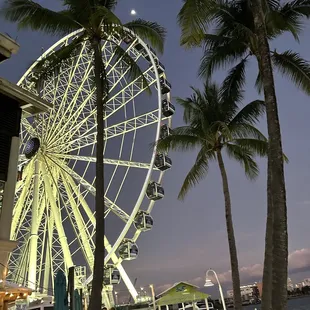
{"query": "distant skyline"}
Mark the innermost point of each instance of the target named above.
(189, 237)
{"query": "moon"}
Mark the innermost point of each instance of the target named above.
(133, 12)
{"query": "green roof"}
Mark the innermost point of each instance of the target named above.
(180, 293)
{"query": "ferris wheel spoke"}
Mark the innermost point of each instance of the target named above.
(20, 205)
(25, 123)
(130, 91)
(58, 222)
(132, 124)
(113, 131)
(65, 83)
(115, 162)
(82, 200)
(116, 72)
(116, 209)
(79, 85)
(109, 204)
(73, 119)
(83, 235)
(77, 126)
(89, 133)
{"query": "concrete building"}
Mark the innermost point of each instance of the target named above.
(248, 292)
(307, 282)
(290, 285)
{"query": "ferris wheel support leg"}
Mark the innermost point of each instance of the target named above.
(33, 242)
(6, 245)
(47, 269)
(132, 290)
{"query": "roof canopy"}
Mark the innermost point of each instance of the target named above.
(180, 293)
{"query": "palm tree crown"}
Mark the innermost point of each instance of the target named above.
(234, 40)
(214, 122)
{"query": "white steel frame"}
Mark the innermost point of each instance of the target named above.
(53, 192)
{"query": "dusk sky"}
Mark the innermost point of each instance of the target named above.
(190, 236)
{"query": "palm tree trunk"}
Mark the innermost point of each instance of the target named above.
(230, 235)
(267, 275)
(275, 156)
(98, 270)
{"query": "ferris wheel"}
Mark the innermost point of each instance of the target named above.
(54, 218)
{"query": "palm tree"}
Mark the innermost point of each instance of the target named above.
(98, 22)
(214, 123)
(243, 29)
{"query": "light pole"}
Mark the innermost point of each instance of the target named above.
(116, 299)
(210, 283)
(153, 296)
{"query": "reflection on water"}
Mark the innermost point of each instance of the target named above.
(293, 304)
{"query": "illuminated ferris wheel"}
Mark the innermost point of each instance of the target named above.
(54, 219)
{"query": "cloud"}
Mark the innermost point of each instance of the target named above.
(297, 261)
(161, 288)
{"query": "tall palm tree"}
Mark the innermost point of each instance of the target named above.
(215, 122)
(98, 22)
(240, 30)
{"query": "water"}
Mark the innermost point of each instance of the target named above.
(293, 304)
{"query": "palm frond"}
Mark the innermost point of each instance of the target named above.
(190, 106)
(256, 146)
(197, 172)
(294, 67)
(150, 32)
(245, 130)
(245, 157)
(249, 114)
(234, 19)
(104, 22)
(292, 14)
(296, 7)
(29, 14)
(183, 138)
(134, 71)
(51, 64)
(193, 19)
(259, 83)
(231, 89)
(219, 57)
(109, 4)
(80, 10)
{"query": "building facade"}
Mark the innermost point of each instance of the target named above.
(248, 292)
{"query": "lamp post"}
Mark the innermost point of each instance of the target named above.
(210, 283)
(153, 296)
(116, 298)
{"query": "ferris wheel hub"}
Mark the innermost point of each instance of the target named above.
(32, 147)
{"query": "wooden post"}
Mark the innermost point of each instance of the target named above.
(71, 287)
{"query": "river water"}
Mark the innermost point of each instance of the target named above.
(293, 304)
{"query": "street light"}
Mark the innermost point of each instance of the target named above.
(116, 299)
(153, 296)
(210, 283)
